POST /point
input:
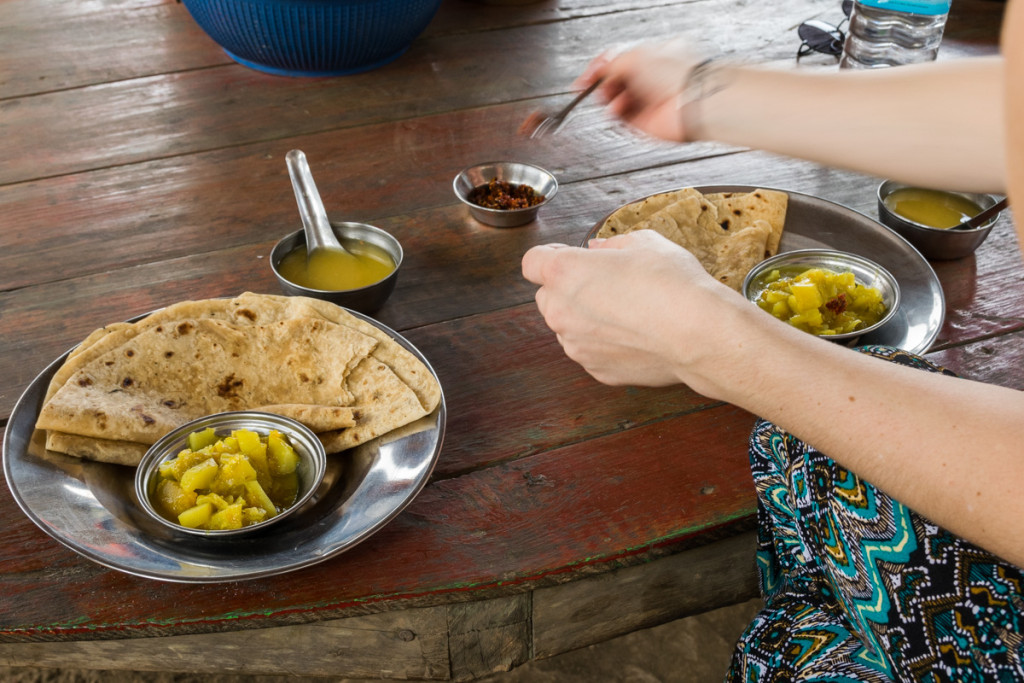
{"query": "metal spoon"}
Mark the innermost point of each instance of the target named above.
(319, 234)
(983, 217)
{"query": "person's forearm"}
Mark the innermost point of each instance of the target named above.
(938, 125)
(951, 449)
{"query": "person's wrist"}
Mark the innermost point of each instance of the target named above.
(715, 360)
(703, 81)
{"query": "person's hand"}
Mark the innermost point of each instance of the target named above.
(643, 85)
(635, 309)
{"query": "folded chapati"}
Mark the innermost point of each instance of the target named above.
(177, 372)
(728, 232)
(90, 448)
(383, 402)
(129, 383)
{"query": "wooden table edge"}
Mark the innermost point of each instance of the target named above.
(493, 634)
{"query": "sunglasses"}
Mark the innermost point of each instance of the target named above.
(818, 36)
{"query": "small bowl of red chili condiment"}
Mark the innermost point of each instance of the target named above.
(505, 194)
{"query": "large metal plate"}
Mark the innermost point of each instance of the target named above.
(815, 223)
(91, 507)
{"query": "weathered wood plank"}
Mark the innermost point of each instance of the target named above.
(489, 636)
(482, 637)
(980, 290)
(996, 360)
(408, 644)
(534, 397)
(599, 608)
(88, 43)
(20, 13)
(119, 217)
(971, 27)
(129, 121)
(159, 36)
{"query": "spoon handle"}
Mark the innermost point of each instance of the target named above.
(983, 217)
(311, 207)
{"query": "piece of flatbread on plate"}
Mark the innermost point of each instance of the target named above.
(177, 372)
(129, 383)
(728, 232)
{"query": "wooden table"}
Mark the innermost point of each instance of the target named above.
(142, 167)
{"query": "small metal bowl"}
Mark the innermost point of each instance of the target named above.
(367, 299)
(936, 243)
(865, 272)
(311, 470)
(536, 177)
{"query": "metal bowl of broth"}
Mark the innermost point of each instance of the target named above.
(924, 217)
(361, 280)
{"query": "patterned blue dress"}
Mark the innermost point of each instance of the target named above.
(859, 588)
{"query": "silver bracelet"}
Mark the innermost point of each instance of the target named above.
(702, 81)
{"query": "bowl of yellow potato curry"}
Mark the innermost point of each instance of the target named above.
(231, 473)
(832, 294)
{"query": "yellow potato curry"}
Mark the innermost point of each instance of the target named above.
(821, 301)
(228, 483)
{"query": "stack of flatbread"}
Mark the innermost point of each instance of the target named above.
(128, 384)
(728, 232)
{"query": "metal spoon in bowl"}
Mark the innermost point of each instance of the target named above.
(983, 217)
(319, 234)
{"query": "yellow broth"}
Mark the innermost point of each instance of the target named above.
(334, 269)
(933, 208)
(821, 301)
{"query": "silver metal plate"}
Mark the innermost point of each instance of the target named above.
(815, 223)
(91, 507)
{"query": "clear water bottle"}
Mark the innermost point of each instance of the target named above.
(893, 32)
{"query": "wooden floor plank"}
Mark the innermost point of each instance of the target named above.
(408, 644)
(598, 608)
(483, 636)
(489, 636)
